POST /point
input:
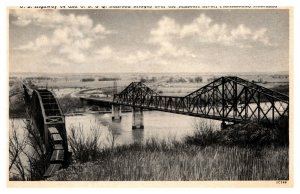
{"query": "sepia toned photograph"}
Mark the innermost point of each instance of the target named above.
(149, 95)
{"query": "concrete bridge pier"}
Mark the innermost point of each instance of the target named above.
(137, 118)
(116, 112)
(223, 125)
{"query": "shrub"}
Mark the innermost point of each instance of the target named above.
(84, 148)
(250, 134)
(204, 135)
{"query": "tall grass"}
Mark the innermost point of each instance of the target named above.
(233, 154)
(84, 147)
(179, 162)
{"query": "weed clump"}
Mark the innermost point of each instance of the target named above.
(84, 148)
(250, 134)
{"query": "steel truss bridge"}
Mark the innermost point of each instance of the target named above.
(230, 99)
(48, 119)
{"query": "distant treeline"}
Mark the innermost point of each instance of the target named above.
(197, 79)
(39, 78)
(277, 76)
(108, 79)
(148, 79)
(100, 79)
(211, 79)
(88, 79)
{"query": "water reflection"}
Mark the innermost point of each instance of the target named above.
(138, 135)
(157, 125)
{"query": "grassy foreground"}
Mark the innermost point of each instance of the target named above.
(181, 162)
(241, 152)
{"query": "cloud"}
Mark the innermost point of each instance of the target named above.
(166, 29)
(39, 44)
(105, 51)
(46, 18)
(204, 30)
(21, 21)
(66, 40)
(168, 49)
(162, 37)
(71, 36)
(171, 40)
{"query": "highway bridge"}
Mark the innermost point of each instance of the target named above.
(228, 99)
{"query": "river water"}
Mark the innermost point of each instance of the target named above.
(160, 126)
(157, 125)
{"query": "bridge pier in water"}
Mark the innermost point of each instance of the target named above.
(223, 125)
(116, 112)
(137, 118)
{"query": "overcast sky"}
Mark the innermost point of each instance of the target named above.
(99, 41)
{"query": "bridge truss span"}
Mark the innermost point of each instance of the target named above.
(229, 99)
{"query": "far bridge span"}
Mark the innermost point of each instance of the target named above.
(228, 99)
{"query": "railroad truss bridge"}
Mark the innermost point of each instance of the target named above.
(46, 117)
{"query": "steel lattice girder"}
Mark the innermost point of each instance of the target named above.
(226, 98)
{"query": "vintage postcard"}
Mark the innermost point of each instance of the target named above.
(158, 96)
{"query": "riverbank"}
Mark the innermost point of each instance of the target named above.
(241, 152)
(181, 162)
